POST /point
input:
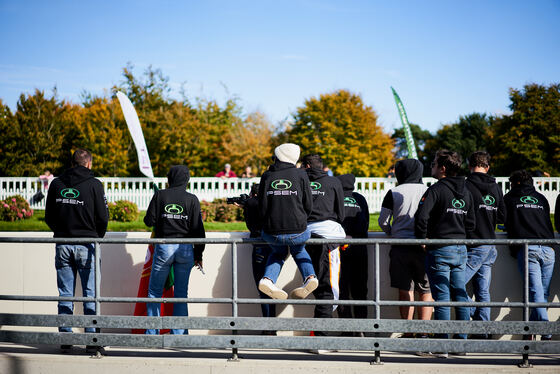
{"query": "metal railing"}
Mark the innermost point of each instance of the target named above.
(238, 329)
(140, 192)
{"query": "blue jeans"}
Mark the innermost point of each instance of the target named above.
(181, 256)
(541, 265)
(280, 244)
(479, 269)
(445, 267)
(69, 259)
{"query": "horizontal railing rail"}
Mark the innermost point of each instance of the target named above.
(239, 331)
(140, 190)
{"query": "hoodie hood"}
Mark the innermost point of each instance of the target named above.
(521, 190)
(315, 174)
(409, 171)
(178, 176)
(483, 182)
(280, 165)
(455, 184)
(76, 175)
(348, 181)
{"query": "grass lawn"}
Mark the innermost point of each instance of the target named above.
(37, 223)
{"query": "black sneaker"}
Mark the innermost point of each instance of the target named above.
(95, 349)
(458, 353)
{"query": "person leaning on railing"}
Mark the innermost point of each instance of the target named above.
(528, 217)
(489, 210)
(446, 211)
(174, 213)
(76, 208)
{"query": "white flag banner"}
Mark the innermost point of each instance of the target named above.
(135, 129)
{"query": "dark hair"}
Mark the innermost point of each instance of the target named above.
(451, 160)
(521, 177)
(81, 157)
(479, 159)
(314, 161)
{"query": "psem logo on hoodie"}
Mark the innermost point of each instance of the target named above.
(350, 202)
(69, 196)
(173, 211)
(315, 187)
(281, 187)
(487, 202)
(529, 202)
(458, 205)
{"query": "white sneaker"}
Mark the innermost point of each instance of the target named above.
(267, 287)
(302, 292)
(322, 351)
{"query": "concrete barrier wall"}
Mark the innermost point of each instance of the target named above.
(28, 269)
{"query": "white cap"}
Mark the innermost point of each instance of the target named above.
(287, 152)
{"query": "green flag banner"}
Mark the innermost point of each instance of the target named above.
(407, 132)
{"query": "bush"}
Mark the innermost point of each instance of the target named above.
(219, 211)
(14, 208)
(207, 211)
(123, 211)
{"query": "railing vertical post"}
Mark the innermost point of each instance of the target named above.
(377, 359)
(97, 278)
(525, 363)
(234, 352)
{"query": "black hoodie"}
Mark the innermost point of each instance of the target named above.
(328, 197)
(284, 199)
(528, 214)
(489, 205)
(356, 212)
(175, 213)
(446, 211)
(76, 205)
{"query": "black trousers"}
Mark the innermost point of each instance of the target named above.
(353, 280)
(319, 254)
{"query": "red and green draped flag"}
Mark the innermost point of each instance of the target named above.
(406, 127)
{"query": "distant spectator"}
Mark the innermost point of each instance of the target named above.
(557, 214)
(248, 173)
(328, 171)
(391, 172)
(226, 173)
(46, 178)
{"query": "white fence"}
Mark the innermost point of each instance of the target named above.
(139, 190)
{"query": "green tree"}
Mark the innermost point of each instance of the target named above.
(101, 129)
(420, 138)
(8, 140)
(469, 134)
(250, 144)
(529, 138)
(39, 136)
(344, 131)
(177, 131)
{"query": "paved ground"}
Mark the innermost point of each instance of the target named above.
(22, 359)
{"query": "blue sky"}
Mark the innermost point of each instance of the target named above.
(444, 58)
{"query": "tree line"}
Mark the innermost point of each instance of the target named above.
(44, 130)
